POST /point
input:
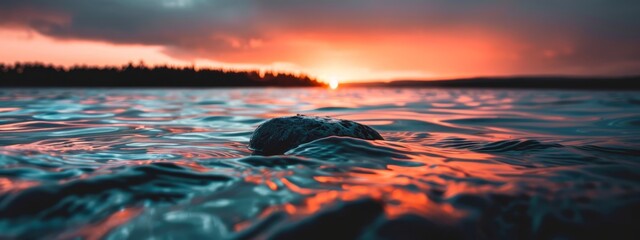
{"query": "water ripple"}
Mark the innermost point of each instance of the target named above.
(137, 164)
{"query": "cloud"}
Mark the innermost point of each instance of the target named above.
(591, 36)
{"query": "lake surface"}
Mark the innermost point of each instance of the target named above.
(137, 164)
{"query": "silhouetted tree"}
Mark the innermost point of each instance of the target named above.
(130, 75)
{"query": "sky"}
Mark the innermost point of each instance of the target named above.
(345, 40)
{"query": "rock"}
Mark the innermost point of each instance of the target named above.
(279, 135)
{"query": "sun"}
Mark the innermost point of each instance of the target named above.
(333, 83)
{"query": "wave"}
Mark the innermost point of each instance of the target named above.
(137, 164)
(49, 206)
(516, 145)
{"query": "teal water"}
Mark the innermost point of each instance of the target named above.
(174, 164)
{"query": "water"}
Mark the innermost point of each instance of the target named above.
(135, 164)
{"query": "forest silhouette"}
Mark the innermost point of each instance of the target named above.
(140, 75)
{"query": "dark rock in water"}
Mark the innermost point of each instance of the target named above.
(279, 135)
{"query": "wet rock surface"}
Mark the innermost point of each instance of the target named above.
(279, 135)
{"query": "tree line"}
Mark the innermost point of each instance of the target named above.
(48, 75)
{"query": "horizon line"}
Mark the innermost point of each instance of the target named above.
(141, 63)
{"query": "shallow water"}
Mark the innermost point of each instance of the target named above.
(132, 164)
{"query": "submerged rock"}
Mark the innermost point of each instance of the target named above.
(279, 135)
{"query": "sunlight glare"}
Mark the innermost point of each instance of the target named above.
(333, 83)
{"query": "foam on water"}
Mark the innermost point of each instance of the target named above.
(134, 164)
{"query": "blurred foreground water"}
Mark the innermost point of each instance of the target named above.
(137, 164)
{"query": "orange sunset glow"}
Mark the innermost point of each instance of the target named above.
(326, 119)
(329, 40)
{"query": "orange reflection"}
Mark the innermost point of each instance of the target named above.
(385, 185)
(402, 189)
(423, 178)
(9, 185)
(398, 202)
(9, 109)
(294, 188)
(27, 126)
(272, 185)
(63, 145)
(268, 178)
(186, 129)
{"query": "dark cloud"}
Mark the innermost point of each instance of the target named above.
(571, 34)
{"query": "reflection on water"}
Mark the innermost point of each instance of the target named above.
(455, 164)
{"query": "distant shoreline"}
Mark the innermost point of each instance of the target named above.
(560, 83)
(139, 76)
(37, 75)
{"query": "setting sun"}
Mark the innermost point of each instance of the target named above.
(333, 83)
